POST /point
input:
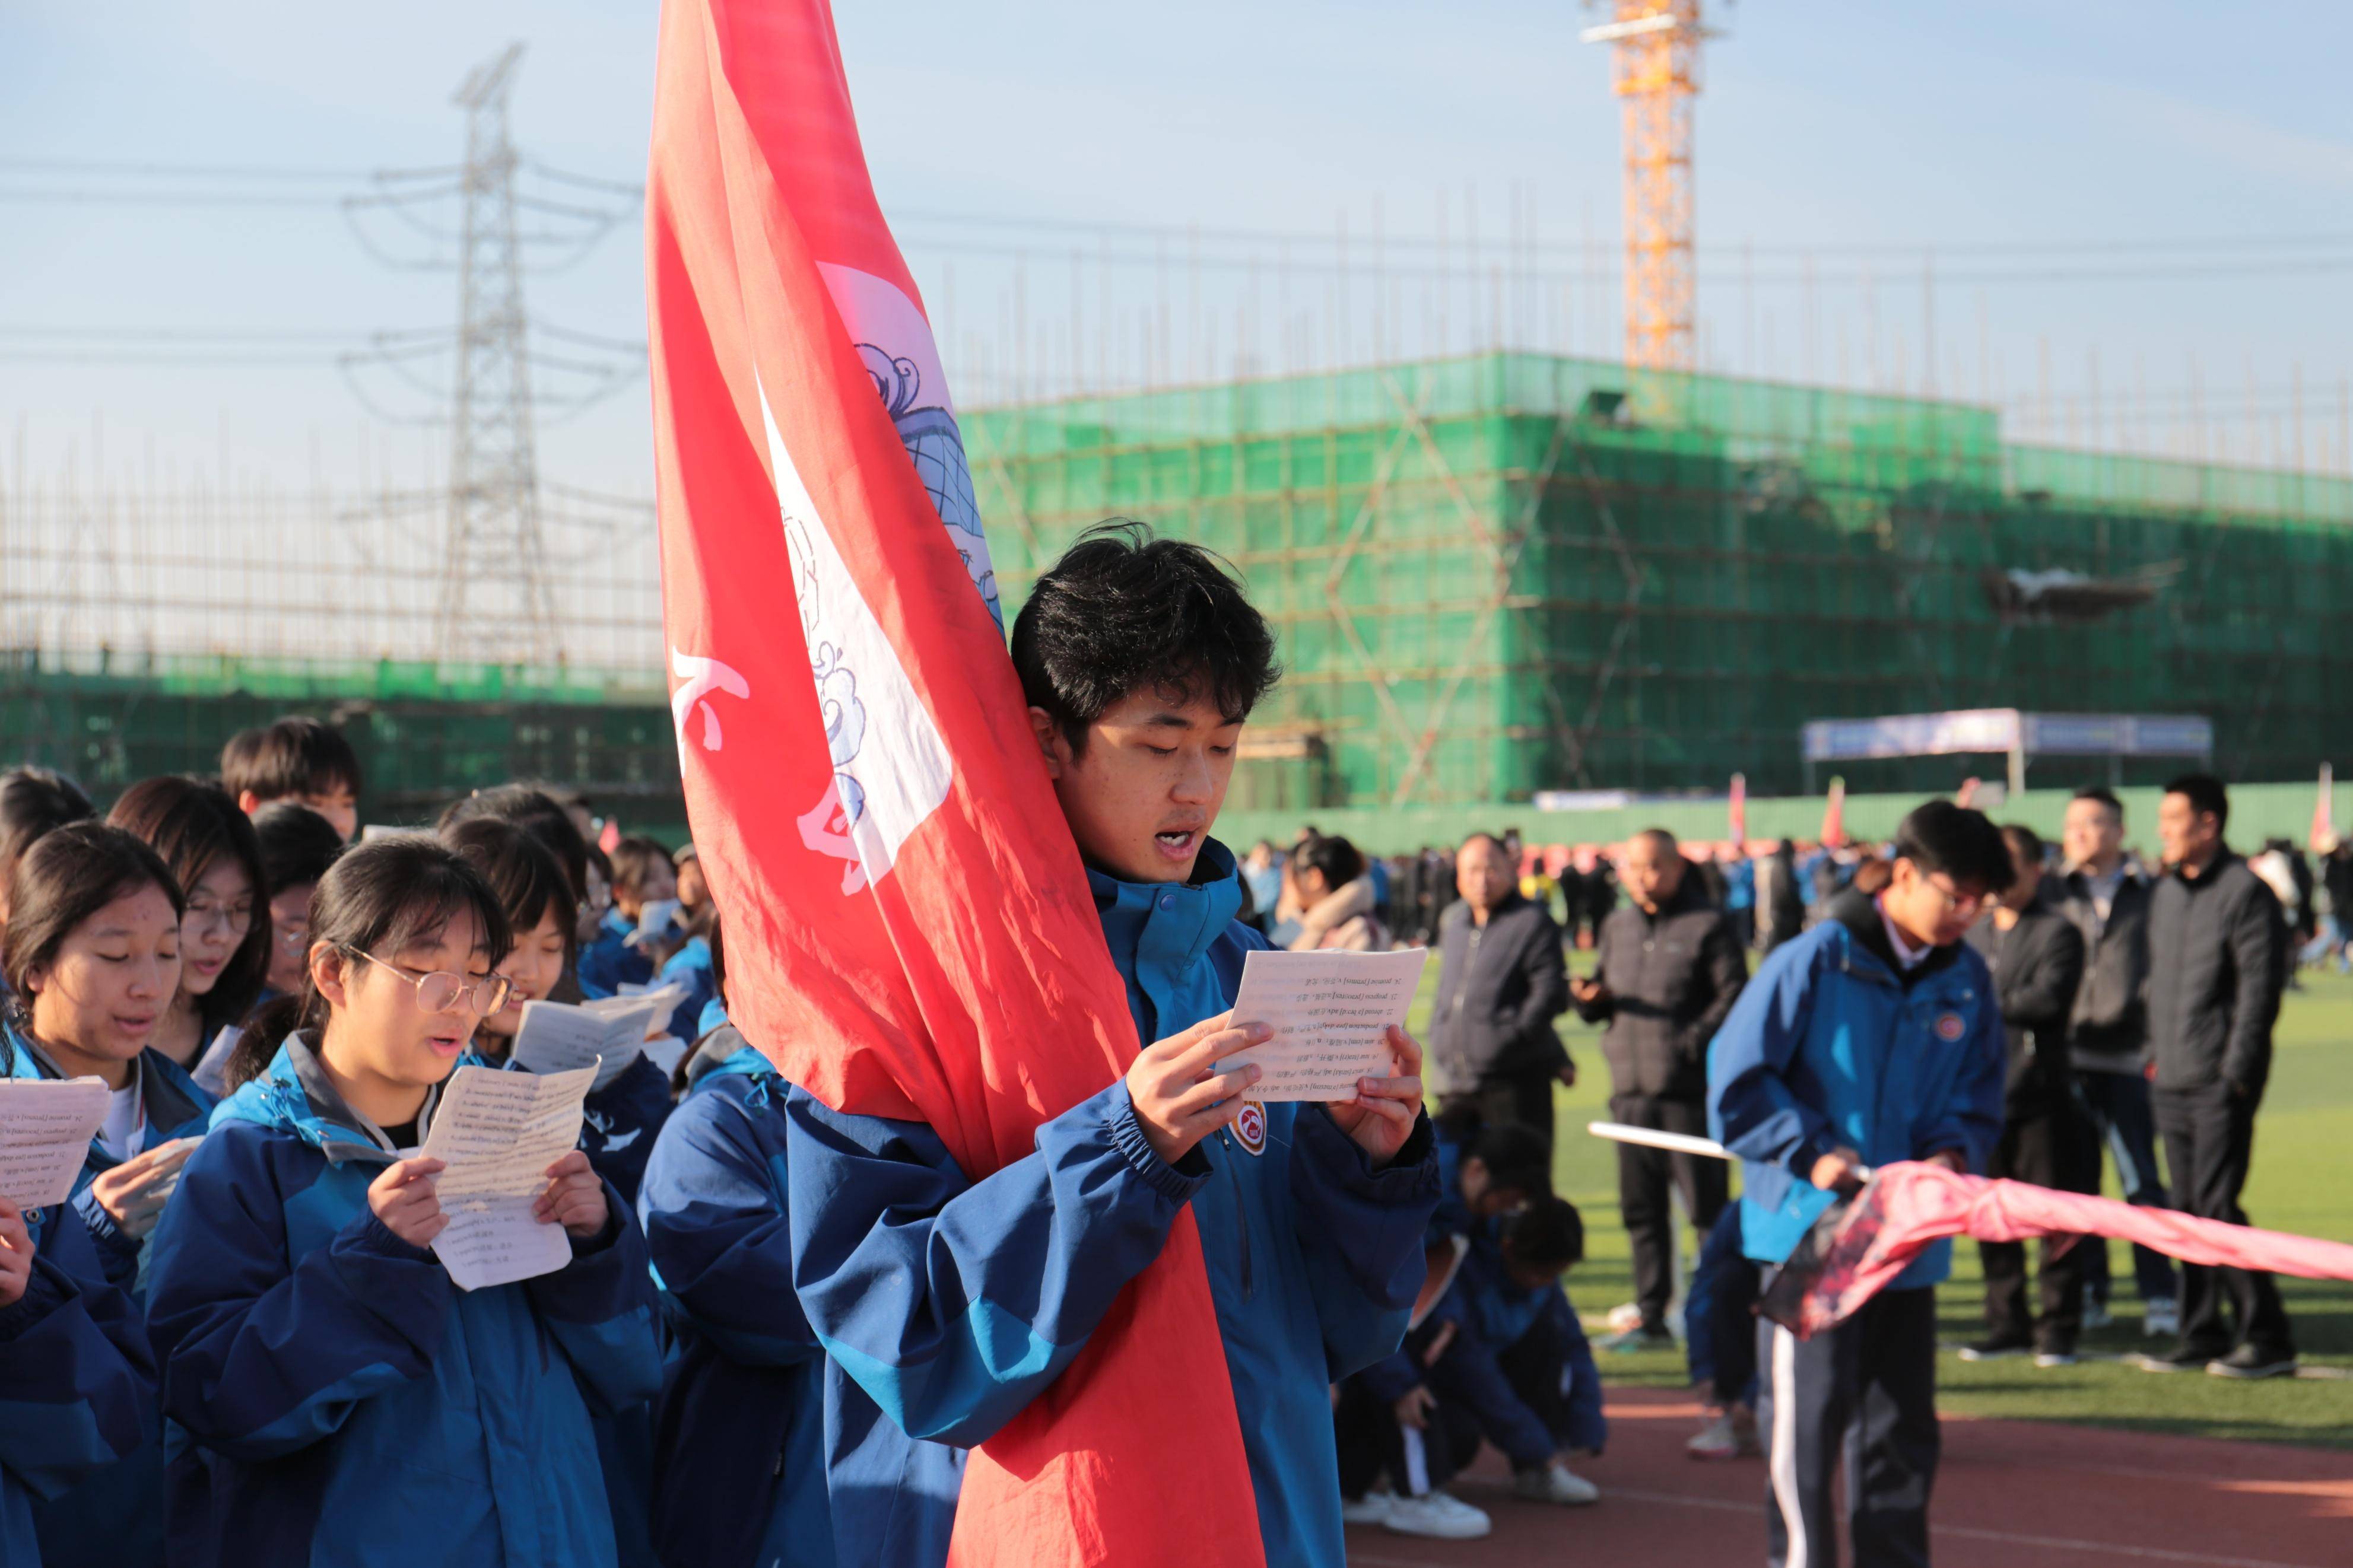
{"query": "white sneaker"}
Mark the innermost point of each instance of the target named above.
(2160, 1317)
(1372, 1508)
(1555, 1483)
(1731, 1435)
(1624, 1315)
(2097, 1315)
(1437, 1517)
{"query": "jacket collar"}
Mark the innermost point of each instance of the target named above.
(1859, 913)
(1166, 928)
(171, 1098)
(294, 1095)
(2206, 879)
(1691, 894)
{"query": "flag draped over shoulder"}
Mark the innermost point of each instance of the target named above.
(909, 929)
(1857, 1248)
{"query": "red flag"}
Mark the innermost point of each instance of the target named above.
(1834, 816)
(1857, 1249)
(2322, 839)
(1740, 808)
(909, 929)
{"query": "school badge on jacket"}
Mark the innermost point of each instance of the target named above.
(1249, 1128)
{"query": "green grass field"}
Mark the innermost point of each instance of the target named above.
(2303, 1182)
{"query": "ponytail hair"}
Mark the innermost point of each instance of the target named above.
(382, 896)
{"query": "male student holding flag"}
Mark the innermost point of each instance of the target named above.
(952, 930)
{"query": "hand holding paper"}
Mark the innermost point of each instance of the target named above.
(16, 1254)
(134, 1191)
(501, 1136)
(45, 1126)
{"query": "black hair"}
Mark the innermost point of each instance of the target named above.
(69, 874)
(1340, 861)
(389, 895)
(33, 801)
(1548, 1234)
(191, 824)
(2105, 795)
(522, 871)
(295, 755)
(264, 1031)
(1962, 844)
(1123, 611)
(537, 813)
(1518, 1158)
(2024, 841)
(297, 844)
(2205, 793)
(1471, 838)
(633, 858)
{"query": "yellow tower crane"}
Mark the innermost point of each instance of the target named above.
(1655, 69)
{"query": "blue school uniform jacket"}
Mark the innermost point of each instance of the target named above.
(689, 967)
(77, 1381)
(952, 1303)
(1834, 1042)
(740, 1428)
(114, 1518)
(358, 1407)
(609, 962)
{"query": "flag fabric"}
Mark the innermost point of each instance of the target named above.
(1859, 1245)
(1738, 809)
(910, 932)
(2323, 837)
(1834, 816)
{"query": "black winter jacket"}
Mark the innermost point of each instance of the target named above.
(2217, 960)
(1672, 977)
(1500, 986)
(2038, 968)
(2110, 1019)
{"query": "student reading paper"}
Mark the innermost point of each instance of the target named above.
(358, 1406)
(1140, 658)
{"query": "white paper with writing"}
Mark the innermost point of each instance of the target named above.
(655, 1007)
(45, 1126)
(499, 1132)
(564, 1037)
(1329, 1013)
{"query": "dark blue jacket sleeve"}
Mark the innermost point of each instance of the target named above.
(76, 1377)
(1469, 1378)
(600, 1309)
(1360, 1231)
(620, 1122)
(716, 1228)
(1589, 1428)
(257, 1360)
(1392, 1377)
(1750, 1110)
(954, 1302)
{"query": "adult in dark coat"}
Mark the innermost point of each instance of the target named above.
(1670, 970)
(2218, 959)
(1502, 980)
(2037, 958)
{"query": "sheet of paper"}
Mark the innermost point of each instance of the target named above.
(654, 1006)
(500, 1131)
(563, 1037)
(45, 1126)
(1329, 1013)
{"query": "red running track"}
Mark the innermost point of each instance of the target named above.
(2009, 1494)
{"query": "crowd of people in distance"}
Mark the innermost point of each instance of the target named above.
(778, 1328)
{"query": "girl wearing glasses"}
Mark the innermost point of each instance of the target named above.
(224, 926)
(356, 1406)
(92, 956)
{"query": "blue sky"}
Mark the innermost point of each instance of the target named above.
(1923, 129)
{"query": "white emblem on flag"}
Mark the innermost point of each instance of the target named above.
(701, 677)
(890, 765)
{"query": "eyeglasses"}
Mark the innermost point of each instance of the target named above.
(237, 920)
(292, 938)
(1961, 903)
(440, 991)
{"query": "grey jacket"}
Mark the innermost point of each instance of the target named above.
(2217, 956)
(1672, 977)
(1500, 986)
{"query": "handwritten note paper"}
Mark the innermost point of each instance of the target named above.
(500, 1131)
(562, 1037)
(45, 1126)
(1331, 1011)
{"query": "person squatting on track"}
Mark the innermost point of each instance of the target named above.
(947, 1305)
(1875, 1037)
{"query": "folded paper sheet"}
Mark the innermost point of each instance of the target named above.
(45, 1126)
(1331, 1013)
(499, 1132)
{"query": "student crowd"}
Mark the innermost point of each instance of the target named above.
(782, 1326)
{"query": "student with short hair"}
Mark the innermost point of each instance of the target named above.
(356, 1406)
(642, 874)
(299, 759)
(214, 856)
(92, 956)
(1875, 1037)
(297, 846)
(33, 801)
(1141, 659)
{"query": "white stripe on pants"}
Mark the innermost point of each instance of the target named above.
(1782, 1457)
